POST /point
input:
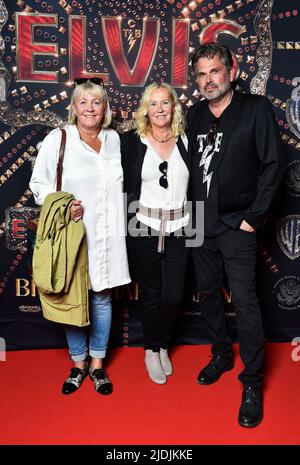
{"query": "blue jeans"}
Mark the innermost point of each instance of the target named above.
(93, 339)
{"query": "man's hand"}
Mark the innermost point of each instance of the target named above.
(76, 210)
(246, 227)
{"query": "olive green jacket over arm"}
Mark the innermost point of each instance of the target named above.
(60, 263)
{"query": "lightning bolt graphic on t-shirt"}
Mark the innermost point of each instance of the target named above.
(207, 156)
(205, 160)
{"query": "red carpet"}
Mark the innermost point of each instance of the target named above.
(33, 410)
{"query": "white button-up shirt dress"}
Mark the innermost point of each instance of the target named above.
(97, 180)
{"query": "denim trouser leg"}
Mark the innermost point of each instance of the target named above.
(77, 342)
(101, 310)
(98, 331)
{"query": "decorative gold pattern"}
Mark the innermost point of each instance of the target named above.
(277, 102)
(3, 19)
(262, 26)
(290, 141)
(13, 168)
(19, 118)
(281, 45)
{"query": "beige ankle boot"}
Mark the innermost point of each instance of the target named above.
(153, 365)
(166, 362)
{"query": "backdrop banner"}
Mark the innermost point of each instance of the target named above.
(44, 45)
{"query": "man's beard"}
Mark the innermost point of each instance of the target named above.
(217, 93)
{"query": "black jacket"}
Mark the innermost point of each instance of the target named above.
(251, 164)
(133, 153)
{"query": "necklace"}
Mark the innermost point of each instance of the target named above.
(162, 141)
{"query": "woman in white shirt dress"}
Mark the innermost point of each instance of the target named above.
(156, 174)
(92, 172)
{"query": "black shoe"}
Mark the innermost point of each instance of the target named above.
(75, 379)
(216, 367)
(102, 383)
(251, 410)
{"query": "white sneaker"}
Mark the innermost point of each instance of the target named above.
(153, 365)
(166, 362)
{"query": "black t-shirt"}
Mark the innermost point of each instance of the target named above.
(206, 152)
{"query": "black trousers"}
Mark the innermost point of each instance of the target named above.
(234, 251)
(161, 278)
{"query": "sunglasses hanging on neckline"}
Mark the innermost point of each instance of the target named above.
(163, 180)
(213, 131)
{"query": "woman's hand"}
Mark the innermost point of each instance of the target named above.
(76, 210)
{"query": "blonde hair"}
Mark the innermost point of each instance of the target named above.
(98, 92)
(142, 121)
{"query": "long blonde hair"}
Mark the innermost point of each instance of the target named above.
(142, 121)
(97, 92)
